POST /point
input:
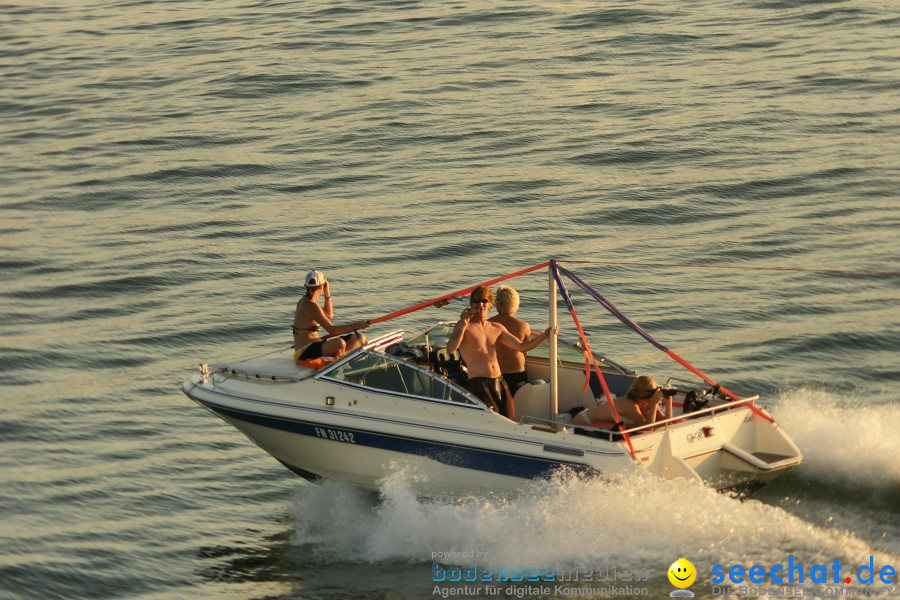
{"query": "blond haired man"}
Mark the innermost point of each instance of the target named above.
(512, 362)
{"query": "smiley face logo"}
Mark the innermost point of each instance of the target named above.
(682, 573)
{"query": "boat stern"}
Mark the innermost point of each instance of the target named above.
(732, 449)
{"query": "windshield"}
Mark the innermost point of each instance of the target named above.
(380, 371)
(436, 336)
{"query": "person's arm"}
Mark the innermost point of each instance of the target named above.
(654, 404)
(510, 341)
(342, 329)
(333, 329)
(655, 401)
(458, 331)
(326, 291)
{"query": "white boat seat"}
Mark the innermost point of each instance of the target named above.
(442, 355)
(533, 400)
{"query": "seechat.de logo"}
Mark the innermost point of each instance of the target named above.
(682, 574)
(794, 572)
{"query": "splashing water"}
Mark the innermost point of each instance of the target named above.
(840, 503)
(844, 440)
(566, 523)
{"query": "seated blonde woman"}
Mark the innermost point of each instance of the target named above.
(639, 406)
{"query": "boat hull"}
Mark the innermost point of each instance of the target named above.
(362, 449)
(321, 429)
(432, 469)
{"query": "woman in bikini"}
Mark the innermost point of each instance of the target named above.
(639, 406)
(310, 317)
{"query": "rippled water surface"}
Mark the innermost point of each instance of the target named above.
(169, 170)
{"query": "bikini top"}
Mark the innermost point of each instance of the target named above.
(295, 329)
(315, 327)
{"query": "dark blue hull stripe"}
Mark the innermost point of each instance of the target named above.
(382, 420)
(466, 457)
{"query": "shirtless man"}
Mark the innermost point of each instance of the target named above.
(476, 338)
(512, 362)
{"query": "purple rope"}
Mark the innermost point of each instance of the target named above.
(554, 268)
(611, 308)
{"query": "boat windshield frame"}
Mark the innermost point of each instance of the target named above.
(470, 401)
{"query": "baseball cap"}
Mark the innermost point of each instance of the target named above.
(314, 279)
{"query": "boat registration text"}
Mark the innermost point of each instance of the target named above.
(335, 434)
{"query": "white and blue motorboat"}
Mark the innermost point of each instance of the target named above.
(397, 402)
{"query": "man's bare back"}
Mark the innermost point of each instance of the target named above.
(510, 360)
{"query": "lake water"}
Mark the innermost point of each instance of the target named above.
(170, 170)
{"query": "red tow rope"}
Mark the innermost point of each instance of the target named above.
(456, 294)
(589, 358)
